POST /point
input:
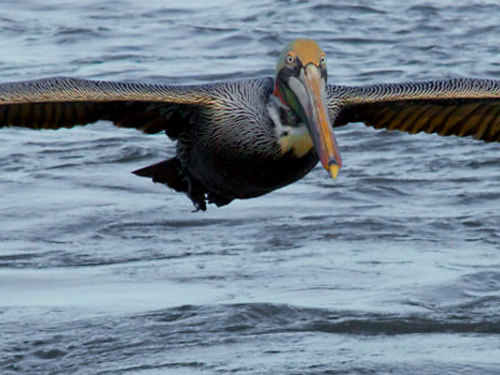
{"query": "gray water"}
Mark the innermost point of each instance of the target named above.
(393, 268)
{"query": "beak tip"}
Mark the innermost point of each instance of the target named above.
(333, 169)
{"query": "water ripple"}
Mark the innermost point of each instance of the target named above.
(392, 268)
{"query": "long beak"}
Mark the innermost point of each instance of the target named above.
(311, 93)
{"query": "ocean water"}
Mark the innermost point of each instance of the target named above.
(392, 268)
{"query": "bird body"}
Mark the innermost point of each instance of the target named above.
(232, 148)
(242, 139)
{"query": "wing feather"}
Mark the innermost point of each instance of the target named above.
(460, 107)
(57, 102)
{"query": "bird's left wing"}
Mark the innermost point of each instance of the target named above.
(52, 103)
(461, 107)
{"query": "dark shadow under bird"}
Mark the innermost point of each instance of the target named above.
(246, 138)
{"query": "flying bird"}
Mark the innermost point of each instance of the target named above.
(242, 139)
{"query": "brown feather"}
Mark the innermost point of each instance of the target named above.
(66, 102)
(461, 107)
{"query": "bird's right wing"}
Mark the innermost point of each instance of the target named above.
(53, 103)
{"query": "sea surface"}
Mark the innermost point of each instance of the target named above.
(392, 268)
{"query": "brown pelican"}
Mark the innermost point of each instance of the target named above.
(246, 138)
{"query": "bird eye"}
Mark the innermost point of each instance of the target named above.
(290, 59)
(323, 60)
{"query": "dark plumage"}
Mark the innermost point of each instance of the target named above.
(246, 138)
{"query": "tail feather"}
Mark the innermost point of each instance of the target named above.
(168, 172)
(171, 173)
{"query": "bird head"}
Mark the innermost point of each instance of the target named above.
(301, 85)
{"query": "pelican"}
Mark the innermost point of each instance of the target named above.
(242, 139)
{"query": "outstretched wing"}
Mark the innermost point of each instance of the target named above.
(53, 103)
(461, 107)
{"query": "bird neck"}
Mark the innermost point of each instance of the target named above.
(277, 93)
(291, 133)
